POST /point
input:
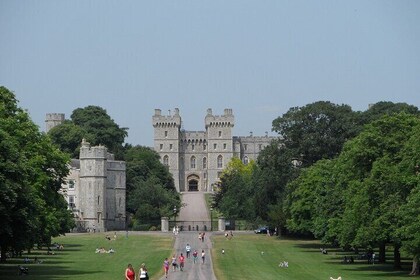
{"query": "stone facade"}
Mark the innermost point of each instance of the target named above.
(95, 189)
(196, 159)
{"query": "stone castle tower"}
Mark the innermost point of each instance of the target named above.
(196, 159)
(52, 120)
(95, 189)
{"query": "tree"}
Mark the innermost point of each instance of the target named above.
(151, 192)
(378, 110)
(95, 125)
(374, 186)
(31, 173)
(276, 166)
(309, 200)
(234, 193)
(68, 137)
(409, 212)
(316, 131)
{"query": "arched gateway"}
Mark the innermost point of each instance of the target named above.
(192, 182)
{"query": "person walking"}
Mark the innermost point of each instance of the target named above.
(188, 249)
(166, 267)
(195, 255)
(203, 255)
(181, 259)
(129, 273)
(174, 265)
(143, 272)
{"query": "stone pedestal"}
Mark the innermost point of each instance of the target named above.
(222, 225)
(164, 224)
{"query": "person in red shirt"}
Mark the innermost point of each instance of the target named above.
(181, 259)
(129, 273)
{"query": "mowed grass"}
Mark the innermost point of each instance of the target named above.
(78, 260)
(253, 256)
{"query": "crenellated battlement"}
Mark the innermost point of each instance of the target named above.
(168, 121)
(89, 152)
(225, 120)
(53, 119)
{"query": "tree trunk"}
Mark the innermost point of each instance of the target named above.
(397, 257)
(382, 258)
(415, 270)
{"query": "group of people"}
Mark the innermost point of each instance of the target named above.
(181, 260)
(130, 274)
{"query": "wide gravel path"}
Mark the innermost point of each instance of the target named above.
(194, 210)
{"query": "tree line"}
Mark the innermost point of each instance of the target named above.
(346, 177)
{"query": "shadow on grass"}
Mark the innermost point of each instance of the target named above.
(41, 271)
(335, 257)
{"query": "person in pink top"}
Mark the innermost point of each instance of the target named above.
(181, 259)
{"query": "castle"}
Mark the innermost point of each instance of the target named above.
(95, 187)
(196, 159)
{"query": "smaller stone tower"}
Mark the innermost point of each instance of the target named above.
(93, 185)
(53, 119)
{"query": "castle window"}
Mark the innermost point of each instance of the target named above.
(71, 184)
(193, 147)
(193, 162)
(260, 147)
(170, 146)
(219, 174)
(205, 175)
(224, 146)
(219, 161)
(161, 147)
(215, 146)
(204, 163)
(71, 201)
(246, 160)
(98, 199)
(204, 147)
(245, 147)
(220, 134)
(166, 160)
(119, 202)
(166, 134)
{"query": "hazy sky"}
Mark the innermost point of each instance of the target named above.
(257, 57)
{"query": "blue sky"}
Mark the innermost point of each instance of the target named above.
(259, 58)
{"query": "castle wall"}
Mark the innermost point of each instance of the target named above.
(201, 155)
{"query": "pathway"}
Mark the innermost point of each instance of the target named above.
(194, 210)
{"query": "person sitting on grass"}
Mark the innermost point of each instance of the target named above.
(23, 270)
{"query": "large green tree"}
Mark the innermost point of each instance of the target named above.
(234, 192)
(151, 192)
(276, 166)
(95, 125)
(379, 109)
(316, 131)
(68, 137)
(373, 186)
(31, 173)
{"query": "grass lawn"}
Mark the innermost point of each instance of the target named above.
(78, 259)
(254, 256)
